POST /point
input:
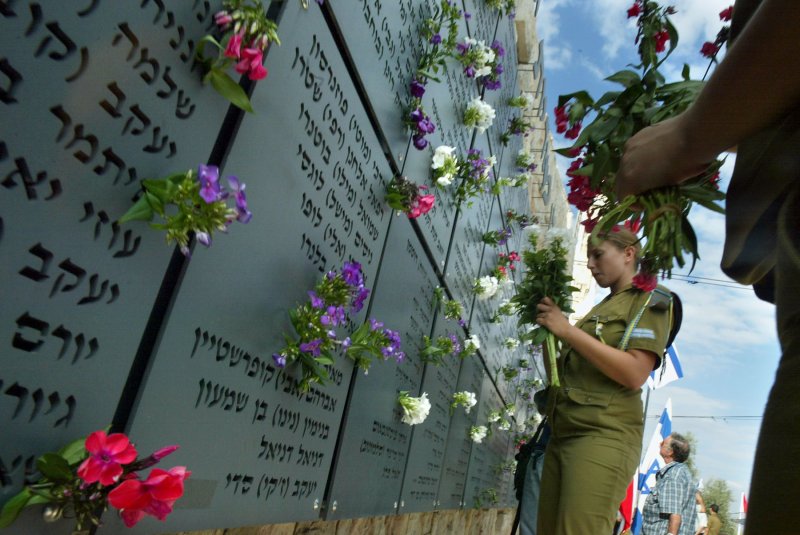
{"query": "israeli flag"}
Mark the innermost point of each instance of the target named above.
(652, 462)
(669, 371)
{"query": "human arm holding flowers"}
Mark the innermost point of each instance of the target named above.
(679, 148)
(629, 368)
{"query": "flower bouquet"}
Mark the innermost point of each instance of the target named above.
(248, 31)
(523, 220)
(82, 479)
(452, 309)
(497, 237)
(315, 323)
(405, 196)
(201, 203)
(437, 350)
(477, 433)
(546, 276)
(517, 126)
(486, 286)
(645, 99)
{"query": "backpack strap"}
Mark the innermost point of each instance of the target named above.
(626, 337)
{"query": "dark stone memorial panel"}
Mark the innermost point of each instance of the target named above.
(485, 477)
(260, 448)
(95, 96)
(375, 441)
(459, 443)
(429, 440)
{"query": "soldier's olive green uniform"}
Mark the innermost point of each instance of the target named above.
(596, 422)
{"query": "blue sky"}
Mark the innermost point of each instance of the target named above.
(728, 344)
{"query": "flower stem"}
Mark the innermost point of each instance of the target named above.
(551, 354)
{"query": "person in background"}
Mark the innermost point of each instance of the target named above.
(702, 518)
(714, 523)
(751, 102)
(670, 506)
(596, 413)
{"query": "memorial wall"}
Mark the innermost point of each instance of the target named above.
(106, 325)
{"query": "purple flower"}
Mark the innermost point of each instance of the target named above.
(417, 115)
(312, 347)
(208, 176)
(346, 343)
(399, 356)
(491, 84)
(280, 360)
(351, 273)
(469, 71)
(436, 39)
(333, 316)
(456, 343)
(204, 238)
(462, 48)
(374, 324)
(498, 49)
(243, 214)
(498, 69)
(462, 323)
(467, 15)
(358, 300)
(417, 88)
(420, 142)
(393, 342)
(316, 301)
(425, 126)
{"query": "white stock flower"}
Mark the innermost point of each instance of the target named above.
(494, 416)
(415, 410)
(511, 343)
(440, 156)
(509, 410)
(486, 286)
(445, 180)
(466, 399)
(478, 433)
(558, 233)
(505, 425)
(529, 100)
(479, 115)
(472, 343)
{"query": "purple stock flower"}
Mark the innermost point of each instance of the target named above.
(333, 316)
(393, 342)
(491, 85)
(420, 142)
(312, 347)
(280, 360)
(346, 343)
(208, 176)
(498, 49)
(374, 324)
(316, 301)
(456, 344)
(417, 88)
(469, 71)
(243, 214)
(416, 115)
(351, 273)
(204, 238)
(436, 39)
(498, 69)
(467, 15)
(462, 48)
(358, 300)
(462, 323)
(425, 126)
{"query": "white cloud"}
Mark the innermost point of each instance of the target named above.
(556, 58)
(548, 27)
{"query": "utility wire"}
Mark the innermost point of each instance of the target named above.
(708, 417)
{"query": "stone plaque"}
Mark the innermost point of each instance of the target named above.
(498, 98)
(459, 444)
(260, 448)
(482, 20)
(95, 96)
(375, 441)
(429, 439)
(487, 480)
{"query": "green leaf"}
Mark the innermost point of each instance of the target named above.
(625, 77)
(140, 211)
(54, 467)
(13, 507)
(602, 127)
(607, 98)
(74, 451)
(324, 360)
(228, 88)
(581, 96)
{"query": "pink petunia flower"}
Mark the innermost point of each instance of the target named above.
(107, 454)
(234, 48)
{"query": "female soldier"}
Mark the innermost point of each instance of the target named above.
(596, 413)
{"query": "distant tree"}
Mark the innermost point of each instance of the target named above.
(717, 491)
(692, 440)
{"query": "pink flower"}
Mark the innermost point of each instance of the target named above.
(223, 19)
(573, 132)
(709, 49)
(154, 496)
(251, 64)
(589, 224)
(646, 282)
(633, 224)
(726, 14)
(661, 39)
(234, 48)
(107, 454)
(635, 10)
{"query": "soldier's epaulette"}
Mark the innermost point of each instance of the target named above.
(660, 299)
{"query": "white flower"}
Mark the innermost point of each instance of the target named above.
(529, 101)
(478, 433)
(479, 115)
(485, 287)
(441, 155)
(494, 416)
(472, 343)
(492, 160)
(509, 410)
(445, 180)
(483, 71)
(511, 343)
(415, 410)
(505, 425)
(465, 399)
